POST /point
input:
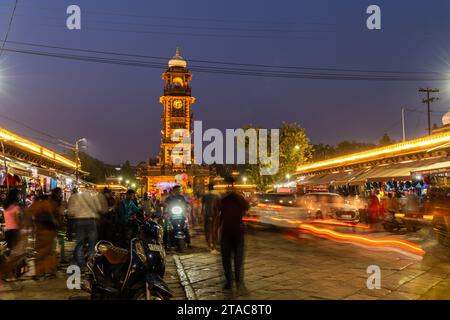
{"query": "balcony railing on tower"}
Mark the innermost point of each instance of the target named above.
(177, 90)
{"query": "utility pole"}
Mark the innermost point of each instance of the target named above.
(403, 124)
(428, 101)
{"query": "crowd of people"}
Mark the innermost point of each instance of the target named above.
(381, 202)
(88, 217)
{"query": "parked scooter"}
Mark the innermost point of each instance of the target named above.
(137, 274)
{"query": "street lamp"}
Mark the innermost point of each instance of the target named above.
(244, 179)
(297, 147)
(6, 166)
(77, 151)
(288, 176)
(127, 182)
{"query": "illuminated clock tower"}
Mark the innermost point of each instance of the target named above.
(176, 117)
(172, 167)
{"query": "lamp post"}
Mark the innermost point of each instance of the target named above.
(6, 166)
(77, 151)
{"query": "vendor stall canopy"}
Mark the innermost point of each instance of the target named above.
(425, 144)
(24, 144)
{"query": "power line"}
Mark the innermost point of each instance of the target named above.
(9, 27)
(337, 69)
(180, 18)
(188, 34)
(28, 127)
(193, 27)
(56, 141)
(232, 71)
(418, 111)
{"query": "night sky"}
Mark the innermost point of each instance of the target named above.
(117, 107)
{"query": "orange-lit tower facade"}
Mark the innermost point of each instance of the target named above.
(176, 166)
(176, 117)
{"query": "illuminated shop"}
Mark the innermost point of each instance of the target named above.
(411, 165)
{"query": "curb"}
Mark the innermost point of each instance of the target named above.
(190, 292)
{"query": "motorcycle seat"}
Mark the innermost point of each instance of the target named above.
(114, 255)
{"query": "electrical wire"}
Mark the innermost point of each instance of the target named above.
(122, 54)
(230, 71)
(9, 27)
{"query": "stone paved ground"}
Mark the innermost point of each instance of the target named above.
(56, 289)
(289, 266)
(284, 266)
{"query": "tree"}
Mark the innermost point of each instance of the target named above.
(325, 151)
(385, 140)
(294, 150)
(348, 147)
(322, 152)
(98, 170)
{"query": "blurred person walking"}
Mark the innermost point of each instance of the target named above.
(11, 215)
(104, 209)
(397, 205)
(45, 214)
(83, 211)
(232, 208)
(210, 212)
(374, 208)
(59, 206)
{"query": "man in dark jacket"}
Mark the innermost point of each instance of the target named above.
(127, 213)
(232, 208)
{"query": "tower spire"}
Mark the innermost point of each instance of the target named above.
(177, 60)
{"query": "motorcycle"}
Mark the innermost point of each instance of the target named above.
(397, 221)
(137, 274)
(177, 226)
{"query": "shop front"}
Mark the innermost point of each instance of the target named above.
(410, 166)
(32, 168)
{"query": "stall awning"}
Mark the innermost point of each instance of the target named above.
(317, 179)
(398, 171)
(442, 166)
(338, 178)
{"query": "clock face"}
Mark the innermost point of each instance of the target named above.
(178, 104)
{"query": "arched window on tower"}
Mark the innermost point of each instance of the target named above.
(178, 82)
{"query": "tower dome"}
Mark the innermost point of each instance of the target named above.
(177, 60)
(446, 118)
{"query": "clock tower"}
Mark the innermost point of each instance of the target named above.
(176, 117)
(173, 167)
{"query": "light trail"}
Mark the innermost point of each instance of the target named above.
(394, 242)
(351, 238)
